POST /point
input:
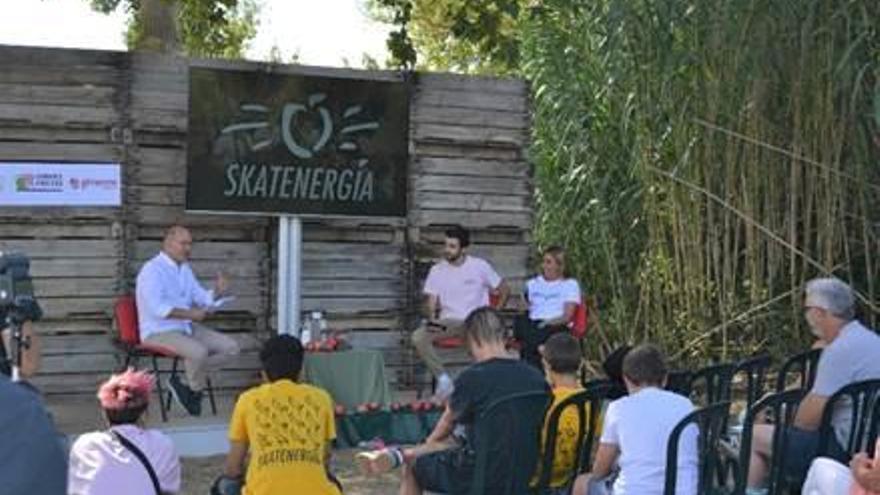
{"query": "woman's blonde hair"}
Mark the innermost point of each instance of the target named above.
(558, 255)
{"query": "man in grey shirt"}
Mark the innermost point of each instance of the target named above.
(31, 459)
(851, 354)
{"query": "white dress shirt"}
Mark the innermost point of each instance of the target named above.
(163, 285)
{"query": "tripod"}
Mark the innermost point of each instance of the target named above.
(19, 342)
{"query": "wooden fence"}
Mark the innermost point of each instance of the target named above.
(468, 166)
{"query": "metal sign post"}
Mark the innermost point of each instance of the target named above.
(289, 274)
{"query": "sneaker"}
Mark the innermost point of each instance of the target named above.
(378, 461)
(195, 403)
(444, 389)
(185, 397)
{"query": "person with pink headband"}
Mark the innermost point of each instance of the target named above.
(142, 460)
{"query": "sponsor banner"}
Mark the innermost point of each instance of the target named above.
(291, 144)
(60, 184)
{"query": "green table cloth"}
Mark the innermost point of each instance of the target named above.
(351, 377)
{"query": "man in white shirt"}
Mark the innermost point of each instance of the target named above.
(455, 286)
(635, 434)
(170, 304)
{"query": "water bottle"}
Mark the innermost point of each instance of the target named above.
(322, 327)
(305, 332)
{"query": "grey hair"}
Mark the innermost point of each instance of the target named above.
(484, 325)
(832, 295)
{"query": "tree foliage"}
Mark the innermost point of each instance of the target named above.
(475, 36)
(207, 28)
(700, 159)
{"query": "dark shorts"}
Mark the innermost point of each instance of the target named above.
(801, 448)
(445, 471)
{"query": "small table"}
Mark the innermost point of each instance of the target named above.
(351, 377)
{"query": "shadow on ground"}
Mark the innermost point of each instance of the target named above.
(199, 473)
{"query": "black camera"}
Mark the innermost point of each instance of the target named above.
(17, 300)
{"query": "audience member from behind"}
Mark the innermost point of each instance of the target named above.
(561, 357)
(171, 304)
(141, 460)
(613, 368)
(636, 432)
(286, 427)
(445, 462)
(31, 459)
(852, 354)
(553, 299)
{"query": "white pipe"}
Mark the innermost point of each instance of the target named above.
(295, 280)
(282, 307)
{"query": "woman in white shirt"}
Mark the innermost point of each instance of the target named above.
(553, 299)
(103, 462)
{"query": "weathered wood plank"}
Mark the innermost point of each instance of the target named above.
(27, 230)
(168, 215)
(63, 248)
(429, 165)
(451, 150)
(461, 82)
(25, 131)
(58, 115)
(42, 94)
(452, 98)
(237, 252)
(78, 286)
(37, 56)
(473, 202)
(61, 152)
(470, 135)
(431, 114)
(471, 184)
(77, 267)
(476, 220)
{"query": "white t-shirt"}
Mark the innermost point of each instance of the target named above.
(640, 425)
(547, 298)
(461, 289)
(100, 464)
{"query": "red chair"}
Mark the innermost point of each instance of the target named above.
(129, 340)
(456, 341)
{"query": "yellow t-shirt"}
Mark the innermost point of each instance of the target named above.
(566, 438)
(287, 427)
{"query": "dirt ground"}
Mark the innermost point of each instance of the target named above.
(199, 473)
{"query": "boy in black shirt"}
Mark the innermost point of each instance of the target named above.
(444, 463)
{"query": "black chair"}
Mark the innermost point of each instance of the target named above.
(712, 383)
(679, 382)
(593, 397)
(778, 409)
(861, 398)
(510, 428)
(710, 421)
(755, 371)
(804, 364)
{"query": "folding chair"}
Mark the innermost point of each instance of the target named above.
(710, 421)
(779, 410)
(511, 426)
(129, 341)
(586, 433)
(861, 398)
(804, 364)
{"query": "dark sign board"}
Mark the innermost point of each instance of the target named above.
(291, 144)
